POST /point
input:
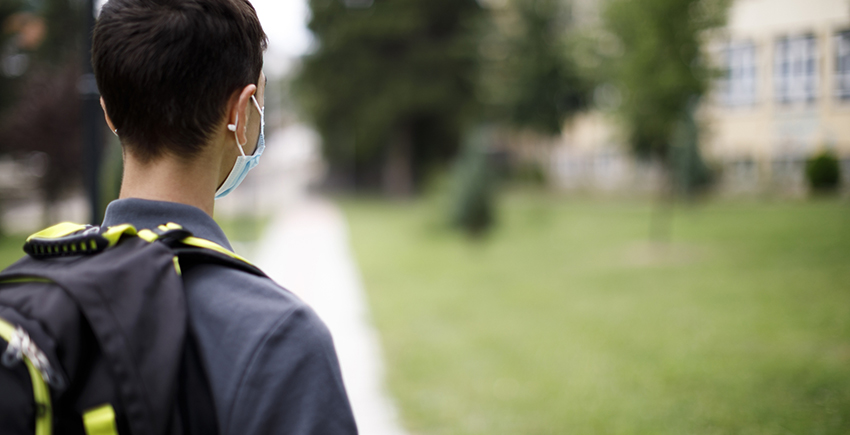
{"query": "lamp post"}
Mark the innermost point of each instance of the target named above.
(92, 119)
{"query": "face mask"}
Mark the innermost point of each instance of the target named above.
(244, 163)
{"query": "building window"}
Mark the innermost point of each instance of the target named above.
(842, 65)
(739, 85)
(796, 69)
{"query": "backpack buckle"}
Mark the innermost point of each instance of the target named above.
(21, 346)
(87, 242)
(171, 233)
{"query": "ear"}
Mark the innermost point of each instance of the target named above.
(106, 116)
(237, 117)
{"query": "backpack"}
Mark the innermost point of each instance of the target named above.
(94, 333)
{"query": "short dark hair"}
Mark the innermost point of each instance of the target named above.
(167, 68)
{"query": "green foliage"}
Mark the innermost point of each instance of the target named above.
(529, 173)
(823, 172)
(391, 72)
(660, 66)
(546, 85)
(566, 322)
(472, 203)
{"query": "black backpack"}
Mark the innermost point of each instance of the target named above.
(94, 333)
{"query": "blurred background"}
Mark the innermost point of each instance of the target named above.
(519, 216)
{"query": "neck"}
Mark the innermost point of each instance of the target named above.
(170, 179)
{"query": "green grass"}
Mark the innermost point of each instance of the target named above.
(567, 321)
(11, 249)
(245, 229)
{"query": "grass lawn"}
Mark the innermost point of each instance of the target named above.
(567, 321)
(11, 248)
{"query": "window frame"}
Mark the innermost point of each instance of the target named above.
(740, 84)
(841, 74)
(796, 69)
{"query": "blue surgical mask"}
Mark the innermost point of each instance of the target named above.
(244, 163)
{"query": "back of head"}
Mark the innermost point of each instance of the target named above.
(167, 68)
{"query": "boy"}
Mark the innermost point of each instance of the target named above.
(182, 86)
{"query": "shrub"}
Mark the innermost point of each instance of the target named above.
(472, 208)
(823, 172)
(529, 172)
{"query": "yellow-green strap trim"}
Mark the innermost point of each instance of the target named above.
(113, 234)
(171, 226)
(40, 392)
(100, 421)
(203, 243)
(24, 280)
(148, 235)
(57, 231)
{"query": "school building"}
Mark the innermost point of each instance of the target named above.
(785, 96)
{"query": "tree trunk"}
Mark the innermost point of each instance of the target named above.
(661, 217)
(397, 176)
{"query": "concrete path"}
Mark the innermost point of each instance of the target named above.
(305, 249)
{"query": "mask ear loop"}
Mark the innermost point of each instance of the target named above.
(232, 127)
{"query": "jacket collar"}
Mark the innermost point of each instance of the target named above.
(143, 213)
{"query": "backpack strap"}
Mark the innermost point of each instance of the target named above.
(70, 239)
(193, 251)
(195, 408)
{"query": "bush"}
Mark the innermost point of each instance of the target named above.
(823, 172)
(530, 172)
(472, 208)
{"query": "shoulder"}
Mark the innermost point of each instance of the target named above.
(237, 313)
(270, 359)
(222, 291)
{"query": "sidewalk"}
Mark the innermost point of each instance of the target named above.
(305, 249)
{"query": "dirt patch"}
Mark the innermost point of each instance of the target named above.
(653, 254)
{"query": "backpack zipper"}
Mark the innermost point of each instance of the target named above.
(20, 347)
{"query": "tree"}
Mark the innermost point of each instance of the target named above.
(12, 64)
(530, 74)
(473, 186)
(37, 35)
(41, 97)
(661, 68)
(48, 121)
(690, 174)
(391, 85)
